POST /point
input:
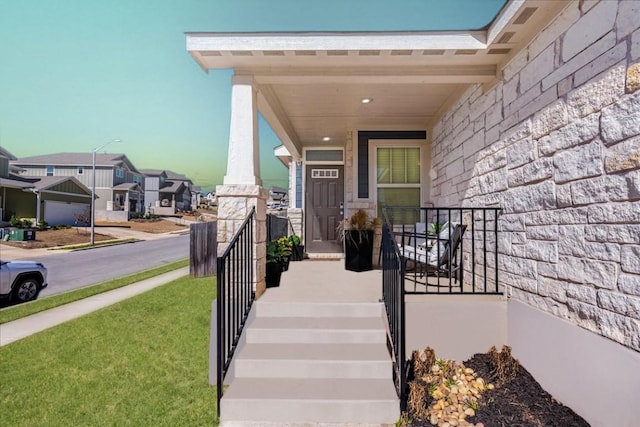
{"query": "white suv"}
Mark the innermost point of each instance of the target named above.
(22, 281)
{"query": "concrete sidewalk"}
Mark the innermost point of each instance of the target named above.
(22, 328)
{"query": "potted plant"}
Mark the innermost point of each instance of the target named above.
(357, 233)
(278, 252)
(297, 250)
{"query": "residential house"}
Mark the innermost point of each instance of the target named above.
(56, 200)
(118, 184)
(537, 114)
(167, 192)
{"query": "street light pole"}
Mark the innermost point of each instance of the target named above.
(93, 189)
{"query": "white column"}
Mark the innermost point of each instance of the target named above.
(243, 166)
(242, 189)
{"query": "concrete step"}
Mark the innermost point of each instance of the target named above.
(296, 402)
(314, 361)
(354, 330)
(318, 309)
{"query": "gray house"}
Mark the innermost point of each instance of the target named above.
(166, 192)
(118, 183)
(54, 199)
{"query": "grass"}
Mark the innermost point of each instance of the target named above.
(142, 362)
(22, 310)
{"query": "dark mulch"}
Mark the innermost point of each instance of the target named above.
(518, 402)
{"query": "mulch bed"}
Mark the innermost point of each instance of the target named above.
(517, 402)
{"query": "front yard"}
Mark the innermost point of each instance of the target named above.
(141, 362)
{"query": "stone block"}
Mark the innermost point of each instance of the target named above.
(617, 55)
(551, 34)
(552, 288)
(539, 67)
(578, 163)
(461, 115)
(549, 119)
(620, 120)
(580, 60)
(563, 196)
(543, 232)
(572, 242)
(514, 66)
(633, 78)
(583, 293)
(510, 90)
(519, 266)
(615, 213)
(614, 233)
(521, 152)
(599, 190)
(559, 216)
(576, 133)
(541, 251)
(491, 163)
(622, 329)
(622, 157)
(590, 28)
(597, 94)
(627, 22)
(635, 45)
(619, 303)
(513, 134)
(548, 270)
(629, 284)
(535, 171)
(511, 223)
(601, 274)
(630, 258)
(565, 86)
(532, 198)
(481, 104)
(633, 184)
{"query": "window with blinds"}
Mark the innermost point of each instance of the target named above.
(398, 176)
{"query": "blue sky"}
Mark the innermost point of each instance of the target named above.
(75, 74)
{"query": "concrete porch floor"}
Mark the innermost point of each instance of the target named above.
(325, 281)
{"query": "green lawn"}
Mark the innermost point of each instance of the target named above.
(142, 362)
(21, 310)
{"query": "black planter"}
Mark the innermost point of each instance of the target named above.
(285, 263)
(274, 272)
(358, 250)
(297, 253)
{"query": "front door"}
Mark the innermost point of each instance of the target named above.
(324, 207)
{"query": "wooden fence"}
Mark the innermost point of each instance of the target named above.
(203, 249)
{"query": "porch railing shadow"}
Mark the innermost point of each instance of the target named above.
(235, 296)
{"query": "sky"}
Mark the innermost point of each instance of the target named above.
(76, 74)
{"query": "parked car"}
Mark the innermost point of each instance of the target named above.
(22, 281)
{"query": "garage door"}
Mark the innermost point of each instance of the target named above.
(63, 213)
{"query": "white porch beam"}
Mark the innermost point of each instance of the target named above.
(243, 165)
(274, 114)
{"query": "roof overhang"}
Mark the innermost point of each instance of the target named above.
(310, 84)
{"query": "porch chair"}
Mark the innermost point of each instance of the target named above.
(441, 259)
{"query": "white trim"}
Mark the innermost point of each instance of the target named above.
(374, 144)
(88, 196)
(320, 41)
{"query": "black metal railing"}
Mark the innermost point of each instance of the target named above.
(448, 250)
(393, 296)
(235, 296)
(277, 226)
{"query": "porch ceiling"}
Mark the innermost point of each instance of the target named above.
(310, 85)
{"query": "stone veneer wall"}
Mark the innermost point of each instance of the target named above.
(556, 144)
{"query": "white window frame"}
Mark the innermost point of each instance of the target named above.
(119, 172)
(53, 171)
(80, 170)
(322, 162)
(374, 144)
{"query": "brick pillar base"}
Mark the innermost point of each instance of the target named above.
(234, 204)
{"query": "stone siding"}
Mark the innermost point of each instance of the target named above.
(556, 144)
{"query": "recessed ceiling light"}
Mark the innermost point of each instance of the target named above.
(366, 100)
(326, 138)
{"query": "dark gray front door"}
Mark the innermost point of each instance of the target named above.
(324, 207)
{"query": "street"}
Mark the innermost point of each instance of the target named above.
(76, 269)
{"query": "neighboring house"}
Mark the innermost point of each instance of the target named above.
(56, 200)
(118, 184)
(211, 198)
(167, 192)
(536, 114)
